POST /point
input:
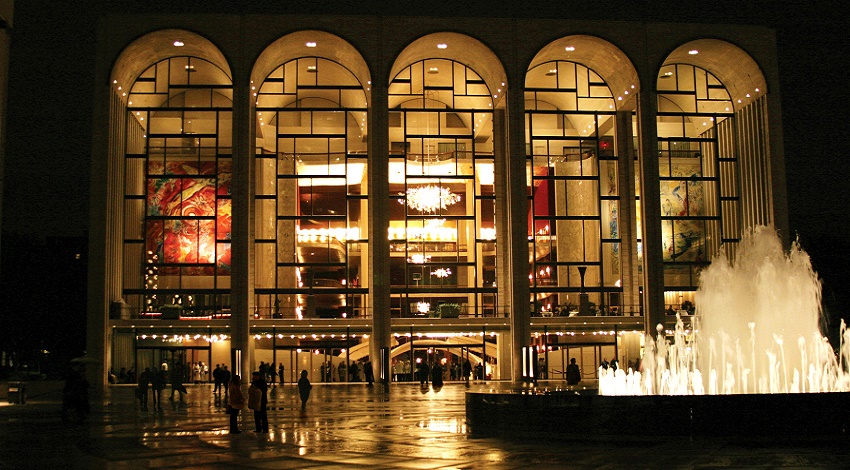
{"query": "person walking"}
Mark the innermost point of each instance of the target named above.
(235, 402)
(158, 380)
(225, 378)
(304, 387)
(142, 391)
(258, 399)
(177, 383)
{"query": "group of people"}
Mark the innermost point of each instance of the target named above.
(355, 371)
(156, 380)
(257, 400)
(270, 373)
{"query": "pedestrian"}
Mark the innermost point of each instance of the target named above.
(370, 374)
(235, 402)
(304, 387)
(437, 375)
(573, 372)
(216, 373)
(280, 373)
(225, 378)
(157, 384)
(75, 395)
(258, 401)
(177, 383)
(142, 390)
(467, 370)
(272, 373)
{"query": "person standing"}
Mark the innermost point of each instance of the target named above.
(437, 375)
(370, 374)
(467, 370)
(216, 373)
(280, 373)
(258, 401)
(235, 402)
(304, 387)
(573, 372)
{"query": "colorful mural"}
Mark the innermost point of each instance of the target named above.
(683, 239)
(189, 216)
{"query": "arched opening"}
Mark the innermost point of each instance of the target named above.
(707, 161)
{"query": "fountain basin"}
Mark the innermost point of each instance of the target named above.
(530, 413)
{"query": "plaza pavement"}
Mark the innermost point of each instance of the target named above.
(353, 426)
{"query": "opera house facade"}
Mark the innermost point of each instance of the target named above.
(330, 193)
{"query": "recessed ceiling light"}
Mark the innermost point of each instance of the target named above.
(311, 44)
(433, 70)
(442, 46)
(311, 68)
(570, 48)
(693, 52)
(178, 43)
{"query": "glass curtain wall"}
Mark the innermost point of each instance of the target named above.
(177, 206)
(311, 243)
(573, 195)
(698, 168)
(442, 210)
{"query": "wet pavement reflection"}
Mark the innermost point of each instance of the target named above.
(348, 426)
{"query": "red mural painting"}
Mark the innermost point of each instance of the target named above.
(189, 217)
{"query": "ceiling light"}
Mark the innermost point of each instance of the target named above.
(311, 68)
(552, 72)
(311, 44)
(442, 46)
(570, 48)
(178, 43)
(433, 70)
(693, 52)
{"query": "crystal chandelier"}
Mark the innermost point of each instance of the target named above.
(430, 198)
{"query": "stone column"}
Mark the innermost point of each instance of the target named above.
(653, 266)
(242, 236)
(628, 212)
(379, 221)
(509, 135)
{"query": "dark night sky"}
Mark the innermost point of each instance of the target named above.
(51, 82)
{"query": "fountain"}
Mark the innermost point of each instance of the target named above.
(756, 330)
(754, 364)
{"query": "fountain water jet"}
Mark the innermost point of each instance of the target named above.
(747, 313)
(757, 302)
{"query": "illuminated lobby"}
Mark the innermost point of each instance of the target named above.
(312, 191)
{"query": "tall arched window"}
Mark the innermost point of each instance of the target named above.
(573, 190)
(311, 232)
(698, 169)
(177, 208)
(442, 211)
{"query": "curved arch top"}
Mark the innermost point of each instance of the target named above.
(733, 66)
(597, 54)
(462, 48)
(311, 43)
(158, 45)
